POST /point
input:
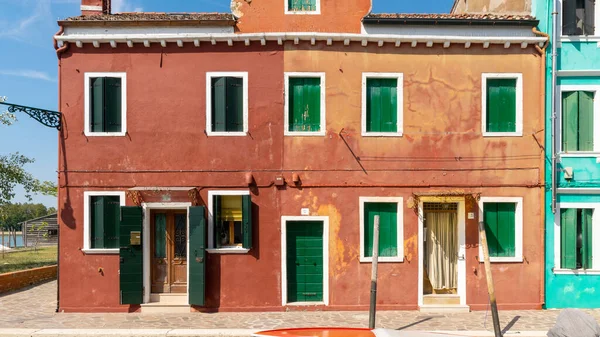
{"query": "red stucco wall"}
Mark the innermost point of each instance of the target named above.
(442, 151)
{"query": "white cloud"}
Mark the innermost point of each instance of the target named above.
(33, 74)
(20, 29)
(123, 6)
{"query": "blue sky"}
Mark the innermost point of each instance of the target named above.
(28, 64)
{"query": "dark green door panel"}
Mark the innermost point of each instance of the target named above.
(197, 261)
(304, 241)
(131, 256)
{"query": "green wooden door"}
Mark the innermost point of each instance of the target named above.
(304, 261)
(131, 256)
(197, 261)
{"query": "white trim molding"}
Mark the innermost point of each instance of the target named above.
(284, 295)
(580, 190)
(578, 73)
(91, 8)
(518, 227)
(399, 102)
(286, 109)
(209, 76)
(88, 101)
(518, 99)
(286, 5)
(399, 228)
(211, 223)
(595, 238)
(596, 114)
(87, 221)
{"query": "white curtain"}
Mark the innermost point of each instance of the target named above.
(442, 249)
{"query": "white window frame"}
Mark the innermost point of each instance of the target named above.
(209, 76)
(519, 101)
(316, 12)
(518, 228)
(87, 221)
(88, 99)
(286, 110)
(595, 270)
(212, 248)
(400, 228)
(399, 104)
(596, 113)
(579, 38)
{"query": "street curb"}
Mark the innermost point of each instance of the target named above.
(207, 333)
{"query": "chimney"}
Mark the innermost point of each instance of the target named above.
(95, 7)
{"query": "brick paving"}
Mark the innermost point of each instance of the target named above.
(34, 308)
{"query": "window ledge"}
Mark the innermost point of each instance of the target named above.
(288, 12)
(579, 154)
(580, 38)
(576, 271)
(105, 134)
(305, 303)
(382, 134)
(88, 251)
(382, 259)
(304, 134)
(503, 134)
(503, 260)
(228, 250)
(227, 134)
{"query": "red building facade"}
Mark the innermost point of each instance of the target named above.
(252, 151)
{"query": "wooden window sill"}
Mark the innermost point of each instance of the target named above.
(232, 250)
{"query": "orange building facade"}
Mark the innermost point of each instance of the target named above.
(219, 162)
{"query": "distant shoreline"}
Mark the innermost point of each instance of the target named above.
(18, 233)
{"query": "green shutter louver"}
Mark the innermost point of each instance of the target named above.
(382, 105)
(388, 228)
(499, 219)
(219, 104)
(247, 222)
(586, 250)
(106, 104)
(577, 121)
(131, 256)
(490, 219)
(97, 104)
(216, 219)
(227, 111)
(568, 238)
(501, 107)
(197, 262)
(304, 104)
(97, 222)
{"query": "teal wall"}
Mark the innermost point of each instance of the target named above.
(568, 291)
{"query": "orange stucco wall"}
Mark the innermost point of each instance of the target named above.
(442, 151)
(337, 16)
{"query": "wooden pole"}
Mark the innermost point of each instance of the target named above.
(490, 281)
(372, 308)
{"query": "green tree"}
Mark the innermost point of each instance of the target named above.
(14, 214)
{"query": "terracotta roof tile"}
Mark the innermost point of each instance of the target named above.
(147, 16)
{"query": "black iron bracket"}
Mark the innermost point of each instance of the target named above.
(49, 118)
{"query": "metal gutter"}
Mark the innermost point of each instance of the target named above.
(553, 103)
(449, 21)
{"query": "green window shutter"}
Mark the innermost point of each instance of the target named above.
(568, 238)
(382, 105)
(506, 229)
(197, 262)
(247, 221)
(112, 104)
(97, 104)
(131, 257)
(304, 104)
(570, 116)
(490, 219)
(219, 104)
(112, 217)
(501, 109)
(216, 219)
(586, 121)
(388, 228)
(587, 249)
(97, 222)
(234, 120)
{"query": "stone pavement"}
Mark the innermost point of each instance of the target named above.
(34, 308)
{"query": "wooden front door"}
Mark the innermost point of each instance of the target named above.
(168, 237)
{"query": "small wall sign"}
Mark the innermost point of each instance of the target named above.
(471, 215)
(304, 211)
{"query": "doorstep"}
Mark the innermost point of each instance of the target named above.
(444, 308)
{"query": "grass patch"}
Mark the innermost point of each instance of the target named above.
(26, 258)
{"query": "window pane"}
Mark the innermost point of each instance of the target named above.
(388, 228)
(160, 235)
(304, 104)
(112, 104)
(302, 5)
(180, 236)
(235, 105)
(229, 221)
(501, 110)
(382, 112)
(105, 218)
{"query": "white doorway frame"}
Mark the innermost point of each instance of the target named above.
(284, 220)
(462, 263)
(147, 207)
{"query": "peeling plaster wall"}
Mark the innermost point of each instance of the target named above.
(337, 16)
(493, 6)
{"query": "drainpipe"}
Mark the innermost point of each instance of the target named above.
(553, 98)
(59, 51)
